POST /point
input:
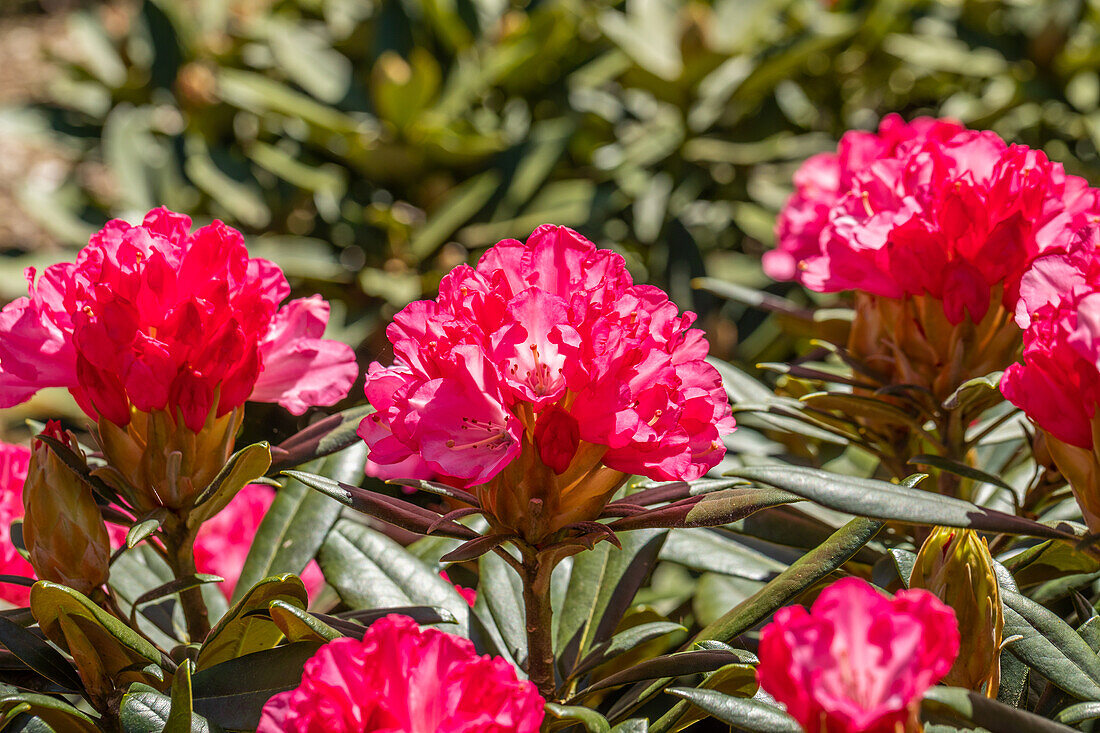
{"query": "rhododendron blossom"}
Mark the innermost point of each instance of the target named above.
(858, 661)
(403, 679)
(14, 460)
(156, 317)
(1058, 383)
(926, 208)
(546, 368)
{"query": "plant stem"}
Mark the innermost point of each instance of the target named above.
(538, 617)
(179, 544)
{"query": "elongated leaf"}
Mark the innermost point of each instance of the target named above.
(590, 719)
(241, 631)
(232, 693)
(243, 467)
(370, 571)
(38, 655)
(299, 625)
(107, 653)
(144, 710)
(708, 510)
(719, 552)
(180, 714)
(743, 713)
(624, 641)
(294, 527)
(665, 667)
(171, 588)
(1050, 646)
(324, 437)
(500, 593)
(602, 586)
(58, 714)
(959, 468)
(399, 513)
(971, 707)
(1079, 713)
(884, 500)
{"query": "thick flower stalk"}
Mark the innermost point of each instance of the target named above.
(1058, 383)
(14, 461)
(403, 679)
(62, 525)
(858, 661)
(541, 379)
(955, 565)
(933, 225)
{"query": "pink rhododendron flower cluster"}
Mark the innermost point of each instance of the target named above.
(1058, 383)
(926, 207)
(550, 343)
(403, 679)
(224, 540)
(156, 317)
(14, 460)
(858, 661)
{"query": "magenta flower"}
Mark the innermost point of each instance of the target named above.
(403, 679)
(224, 540)
(1058, 383)
(858, 661)
(14, 460)
(926, 208)
(468, 594)
(547, 351)
(156, 317)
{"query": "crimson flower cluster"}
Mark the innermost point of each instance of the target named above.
(858, 661)
(1058, 383)
(550, 338)
(926, 207)
(400, 677)
(158, 318)
(14, 460)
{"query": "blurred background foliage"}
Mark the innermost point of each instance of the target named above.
(370, 146)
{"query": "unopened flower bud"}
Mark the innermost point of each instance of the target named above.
(912, 341)
(63, 528)
(156, 461)
(956, 566)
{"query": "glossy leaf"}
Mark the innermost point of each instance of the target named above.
(297, 522)
(371, 571)
(744, 713)
(241, 631)
(884, 500)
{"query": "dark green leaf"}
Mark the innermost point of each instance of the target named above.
(294, 527)
(180, 714)
(1050, 646)
(971, 707)
(884, 500)
(232, 693)
(241, 632)
(602, 586)
(33, 651)
(371, 571)
(590, 719)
